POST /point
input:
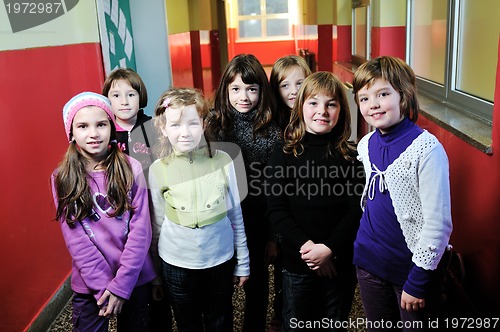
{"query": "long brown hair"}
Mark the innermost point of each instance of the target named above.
(398, 74)
(73, 191)
(328, 84)
(252, 72)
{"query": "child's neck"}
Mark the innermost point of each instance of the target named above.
(126, 124)
(95, 165)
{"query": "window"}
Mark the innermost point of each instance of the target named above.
(453, 50)
(263, 19)
(360, 31)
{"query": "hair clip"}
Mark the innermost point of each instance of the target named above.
(166, 103)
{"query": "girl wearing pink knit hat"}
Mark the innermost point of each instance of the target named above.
(102, 204)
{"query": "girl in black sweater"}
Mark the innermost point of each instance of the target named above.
(314, 188)
(243, 115)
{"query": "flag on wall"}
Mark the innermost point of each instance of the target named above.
(115, 28)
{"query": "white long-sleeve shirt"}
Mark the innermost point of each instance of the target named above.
(197, 247)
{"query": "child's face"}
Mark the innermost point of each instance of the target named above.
(379, 104)
(290, 85)
(124, 101)
(321, 113)
(91, 130)
(243, 97)
(183, 128)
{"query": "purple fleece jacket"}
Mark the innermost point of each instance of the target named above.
(111, 253)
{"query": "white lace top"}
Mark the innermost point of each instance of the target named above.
(418, 181)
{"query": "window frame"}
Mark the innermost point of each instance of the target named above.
(263, 17)
(357, 59)
(448, 92)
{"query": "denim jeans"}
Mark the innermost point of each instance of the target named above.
(381, 302)
(201, 299)
(310, 299)
(134, 316)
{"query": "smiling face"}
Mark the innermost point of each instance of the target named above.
(243, 97)
(125, 103)
(183, 128)
(379, 104)
(91, 129)
(321, 113)
(290, 84)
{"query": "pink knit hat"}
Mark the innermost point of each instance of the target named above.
(80, 101)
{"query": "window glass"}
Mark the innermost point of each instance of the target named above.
(428, 52)
(248, 7)
(277, 27)
(260, 19)
(250, 29)
(277, 6)
(360, 18)
(453, 49)
(477, 47)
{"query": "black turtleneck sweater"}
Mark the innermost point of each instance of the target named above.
(315, 196)
(256, 152)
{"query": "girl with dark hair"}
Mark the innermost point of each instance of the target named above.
(243, 114)
(102, 204)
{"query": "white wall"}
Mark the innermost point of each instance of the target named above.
(152, 54)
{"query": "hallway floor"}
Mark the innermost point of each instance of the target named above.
(63, 321)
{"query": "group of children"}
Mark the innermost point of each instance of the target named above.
(154, 218)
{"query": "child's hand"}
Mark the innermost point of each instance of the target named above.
(240, 281)
(316, 255)
(306, 247)
(113, 306)
(157, 292)
(411, 303)
(271, 252)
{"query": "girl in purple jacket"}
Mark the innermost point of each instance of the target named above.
(102, 205)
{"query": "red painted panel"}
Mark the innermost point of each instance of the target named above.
(180, 57)
(196, 59)
(216, 70)
(344, 43)
(35, 85)
(324, 57)
(266, 51)
(388, 41)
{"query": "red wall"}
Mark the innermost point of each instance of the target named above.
(180, 57)
(35, 85)
(191, 60)
(475, 181)
(266, 51)
(388, 41)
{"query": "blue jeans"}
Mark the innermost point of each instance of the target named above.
(201, 299)
(310, 299)
(381, 302)
(134, 316)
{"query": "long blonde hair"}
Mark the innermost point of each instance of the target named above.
(328, 84)
(73, 191)
(281, 69)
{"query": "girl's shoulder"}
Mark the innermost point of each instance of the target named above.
(425, 142)
(363, 142)
(135, 165)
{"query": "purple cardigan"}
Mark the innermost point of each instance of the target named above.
(111, 253)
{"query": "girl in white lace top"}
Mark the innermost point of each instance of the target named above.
(406, 223)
